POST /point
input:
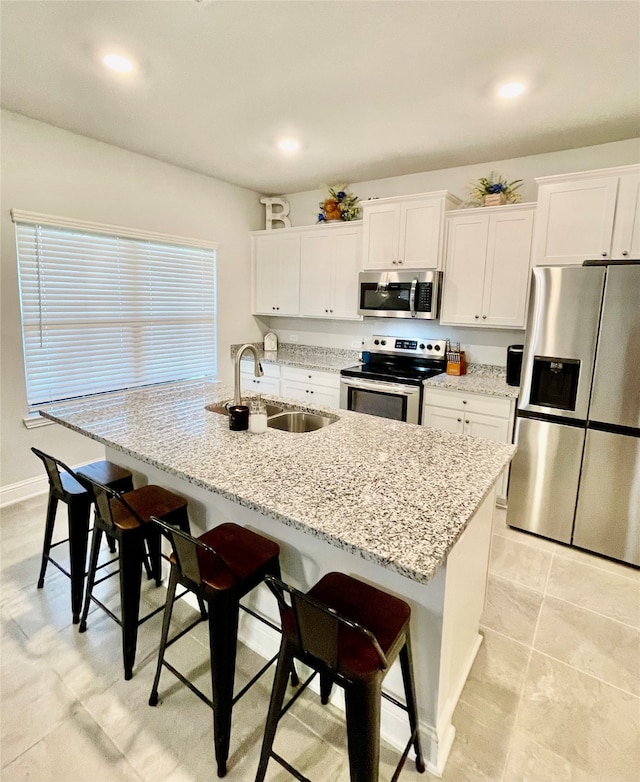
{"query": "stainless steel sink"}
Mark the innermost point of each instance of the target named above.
(285, 419)
(298, 421)
(271, 408)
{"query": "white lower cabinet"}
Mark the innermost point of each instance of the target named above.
(477, 415)
(269, 383)
(311, 386)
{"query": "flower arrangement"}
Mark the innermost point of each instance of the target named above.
(495, 185)
(340, 204)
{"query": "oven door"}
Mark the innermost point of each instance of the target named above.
(387, 400)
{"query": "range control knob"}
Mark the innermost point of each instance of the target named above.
(429, 346)
(422, 346)
(437, 347)
(376, 341)
(384, 342)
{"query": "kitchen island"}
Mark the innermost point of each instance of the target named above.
(404, 507)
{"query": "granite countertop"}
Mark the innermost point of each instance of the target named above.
(480, 379)
(304, 356)
(393, 493)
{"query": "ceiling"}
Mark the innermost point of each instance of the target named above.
(371, 88)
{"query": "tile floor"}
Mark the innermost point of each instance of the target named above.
(554, 693)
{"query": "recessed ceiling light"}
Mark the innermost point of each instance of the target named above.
(288, 145)
(118, 63)
(511, 90)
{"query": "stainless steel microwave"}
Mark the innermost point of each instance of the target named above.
(405, 294)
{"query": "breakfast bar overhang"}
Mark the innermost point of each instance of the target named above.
(406, 508)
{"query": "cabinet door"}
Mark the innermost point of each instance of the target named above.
(575, 220)
(465, 268)
(276, 266)
(626, 231)
(381, 224)
(478, 425)
(420, 231)
(288, 276)
(327, 397)
(315, 275)
(443, 418)
(293, 389)
(265, 264)
(508, 269)
(496, 429)
(345, 266)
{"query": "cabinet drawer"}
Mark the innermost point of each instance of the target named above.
(311, 377)
(262, 385)
(270, 370)
(473, 403)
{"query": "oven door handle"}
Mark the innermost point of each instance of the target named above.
(376, 385)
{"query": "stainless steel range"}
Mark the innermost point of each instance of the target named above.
(388, 383)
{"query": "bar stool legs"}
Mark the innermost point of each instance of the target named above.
(65, 486)
(78, 510)
(220, 567)
(126, 517)
(223, 635)
(349, 633)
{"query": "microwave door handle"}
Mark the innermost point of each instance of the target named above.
(412, 297)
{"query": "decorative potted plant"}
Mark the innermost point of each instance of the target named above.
(494, 190)
(340, 204)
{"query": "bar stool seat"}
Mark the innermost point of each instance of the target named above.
(219, 567)
(349, 633)
(126, 518)
(64, 487)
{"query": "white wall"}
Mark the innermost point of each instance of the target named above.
(48, 170)
(304, 205)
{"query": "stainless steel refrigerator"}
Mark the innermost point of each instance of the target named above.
(576, 475)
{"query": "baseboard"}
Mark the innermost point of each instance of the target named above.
(31, 487)
(23, 490)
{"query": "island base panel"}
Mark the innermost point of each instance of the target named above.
(445, 612)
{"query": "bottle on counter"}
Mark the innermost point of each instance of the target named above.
(257, 416)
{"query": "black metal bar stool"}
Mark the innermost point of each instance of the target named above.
(220, 567)
(64, 487)
(126, 518)
(350, 633)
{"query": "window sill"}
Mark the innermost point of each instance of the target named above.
(35, 421)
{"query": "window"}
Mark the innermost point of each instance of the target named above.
(105, 309)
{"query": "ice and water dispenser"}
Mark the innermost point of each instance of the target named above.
(554, 382)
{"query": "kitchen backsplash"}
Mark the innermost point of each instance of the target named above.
(481, 346)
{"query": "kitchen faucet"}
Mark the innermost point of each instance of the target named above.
(257, 370)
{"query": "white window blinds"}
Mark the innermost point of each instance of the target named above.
(104, 310)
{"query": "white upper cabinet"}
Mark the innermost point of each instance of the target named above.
(488, 257)
(330, 259)
(405, 231)
(587, 216)
(276, 273)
